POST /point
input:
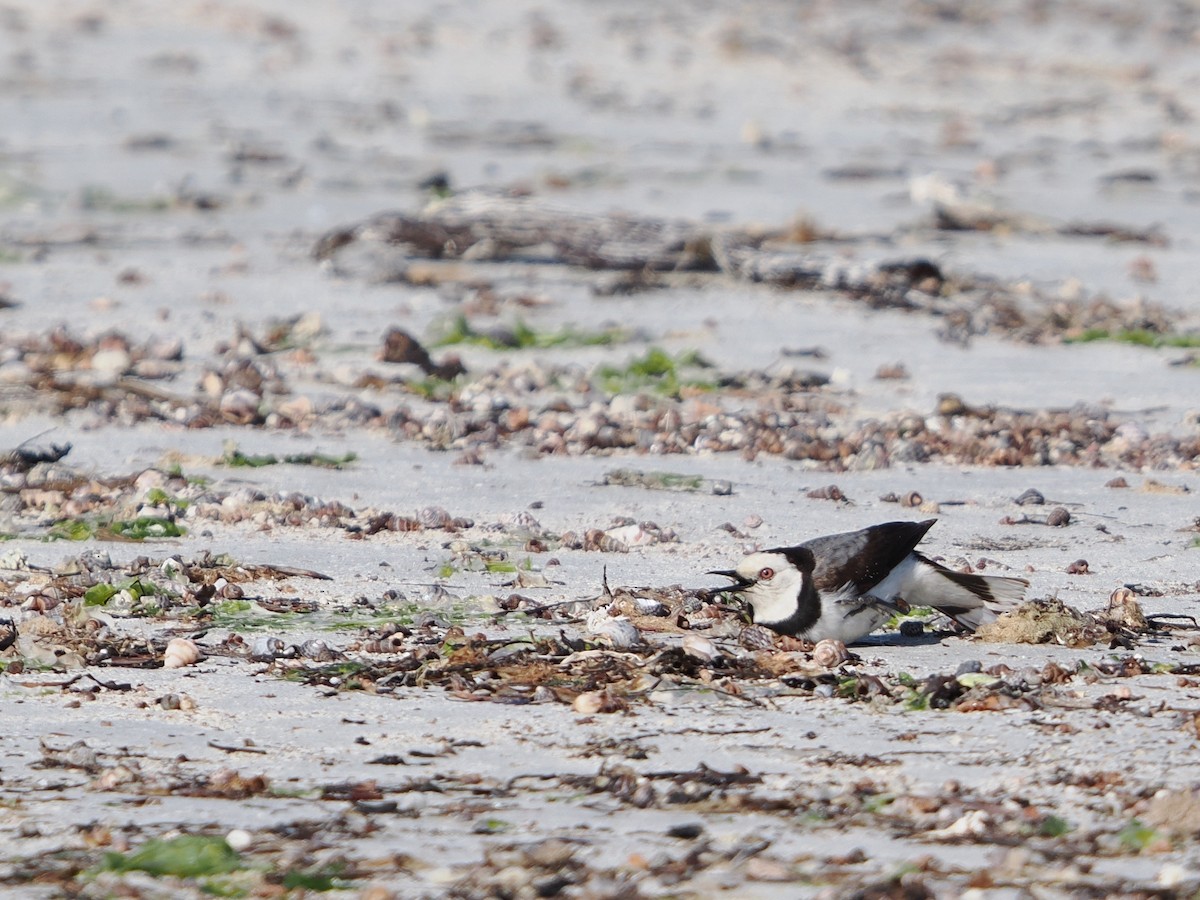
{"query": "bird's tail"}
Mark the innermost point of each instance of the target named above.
(972, 600)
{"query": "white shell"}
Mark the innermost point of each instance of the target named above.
(180, 652)
(830, 653)
(700, 647)
(588, 703)
(618, 632)
(631, 535)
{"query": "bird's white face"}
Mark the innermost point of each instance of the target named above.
(773, 586)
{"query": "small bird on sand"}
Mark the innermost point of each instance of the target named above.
(844, 586)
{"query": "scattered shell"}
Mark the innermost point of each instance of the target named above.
(595, 539)
(892, 371)
(757, 637)
(973, 823)
(180, 652)
(1030, 497)
(700, 647)
(526, 579)
(648, 606)
(241, 407)
(830, 653)
(632, 535)
(588, 703)
(1079, 567)
(41, 602)
(591, 702)
(1058, 517)
(522, 519)
(618, 632)
(266, 649)
(318, 651)
(911, 499)
(1117, 482)
(753, 521)
(829, 492)
(434, 517)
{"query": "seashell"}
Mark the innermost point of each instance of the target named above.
(1058, 517)
(618, 632)
(40, 603)
(434, 517)
(595, 539)
(318, 651)
(113, 778)
(297, 409)
(699, 647)
(266, 649)
(648, 606)
(180, 652)
(588, 703)
(756, 637)
(526, 579)
(912, 499)
(631, 535)
(829, 492)
(1030, 497)
(830, 653)
(240, 407)
(522, 519)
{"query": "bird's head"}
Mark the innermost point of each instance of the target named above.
(772, 582)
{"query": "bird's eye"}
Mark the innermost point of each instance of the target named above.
(766, 574)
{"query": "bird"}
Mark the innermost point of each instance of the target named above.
(844, 586)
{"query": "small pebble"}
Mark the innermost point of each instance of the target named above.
(1079, 567)
(968, 666)
(912, 628)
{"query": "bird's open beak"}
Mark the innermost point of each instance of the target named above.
(740, 583)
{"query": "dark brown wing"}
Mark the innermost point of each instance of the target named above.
(863, 558)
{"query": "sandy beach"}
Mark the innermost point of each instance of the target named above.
(395, 375)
